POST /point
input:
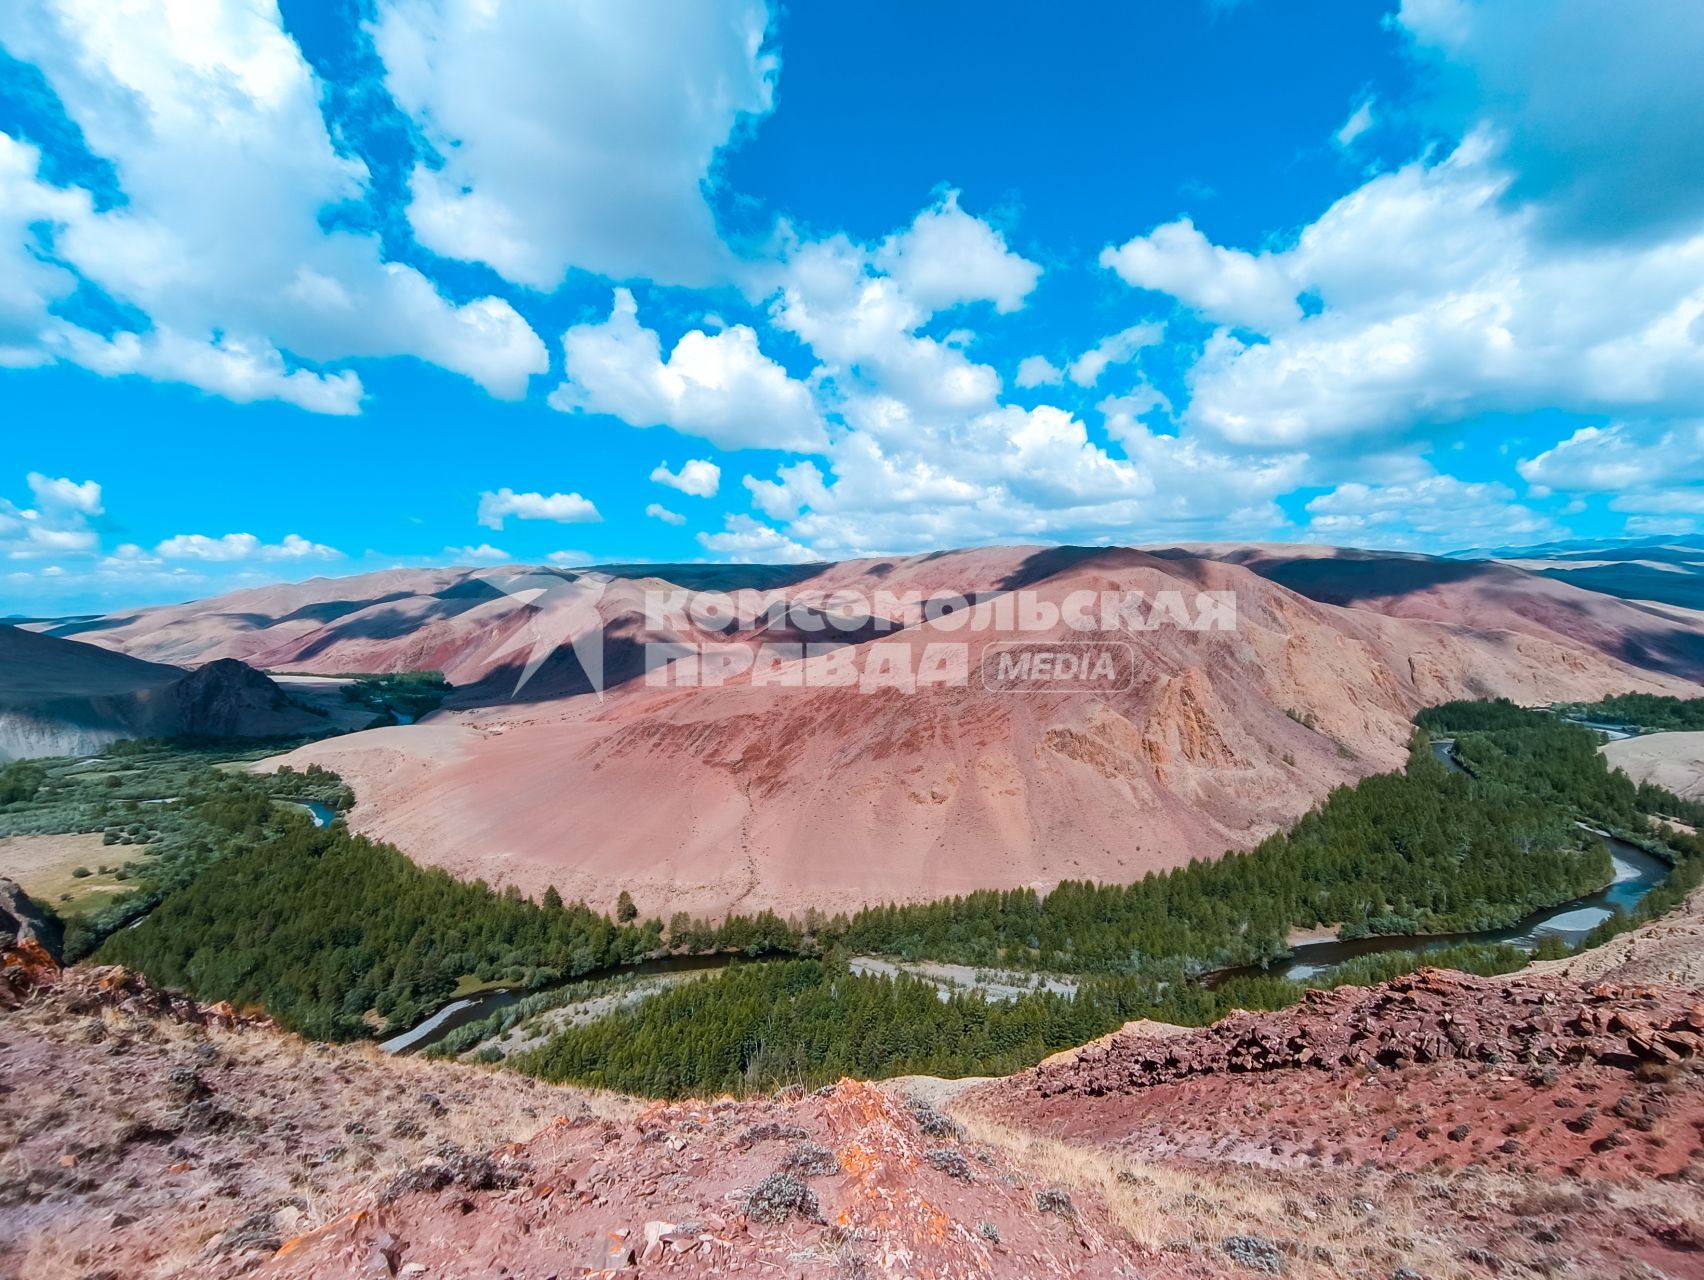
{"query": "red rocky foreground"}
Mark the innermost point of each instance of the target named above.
(1550, 1129)
(1440, 1127)
(145, 1135)
(1438, 1068)
(846, 1181)
(1428, 1017)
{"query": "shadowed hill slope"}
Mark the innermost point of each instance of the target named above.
(62, 697)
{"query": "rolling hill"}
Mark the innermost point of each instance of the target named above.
(763, 793)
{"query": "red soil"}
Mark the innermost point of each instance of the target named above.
(1580, 1078)
(1441, 1126)
(747, 797)
(674, 1192)
(1530, 1081)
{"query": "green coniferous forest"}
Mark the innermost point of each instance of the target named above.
(755, 1027)
(324, 930)
(1428, 850)
(167, 810)
(1643, 710)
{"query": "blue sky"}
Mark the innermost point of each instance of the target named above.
(329, 287)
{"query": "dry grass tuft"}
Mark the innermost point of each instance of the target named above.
(1370, 1222)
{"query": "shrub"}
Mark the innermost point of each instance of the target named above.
(1055, 1200)
(780, 1196)
(950, 1162)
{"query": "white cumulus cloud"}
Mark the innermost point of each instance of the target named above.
(1595, 113)
(1438, 508)
(83, 498)
(1359, 121)
(930, 455)
(56, 524)
(698, 477)
(1438, 300)
(1228, 285)
(564, 508)
(745, 541)
(242, 546)
(1649, 467)
(574, 134)
(718, 386)
(1038, 371)
(946, 258)
(484, 553)
(864, 324)
(210, 118)
(1117, 348)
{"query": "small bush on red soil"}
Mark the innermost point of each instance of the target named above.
(779, 1197)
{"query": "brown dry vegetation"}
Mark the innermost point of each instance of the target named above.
(1329, 1222)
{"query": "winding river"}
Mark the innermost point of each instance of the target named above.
(458, 1013)
(322, 815)
(1636, 874)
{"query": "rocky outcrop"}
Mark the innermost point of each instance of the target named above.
(26, 735)
(847, 1181)
(149, 1135)
(31, 944)
(1432, 1016)
(142, 1134)
(1354, 1136)
(30, 969)
(90, 990)
(227, 699)
(23, 922)
(1188, 718)
(1529, 1077)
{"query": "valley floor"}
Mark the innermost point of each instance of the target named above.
(46, 866)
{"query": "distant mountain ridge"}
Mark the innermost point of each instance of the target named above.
(455, 621)
(1665, 570)
(751, 795)
(63, 697)
(1493, 594)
